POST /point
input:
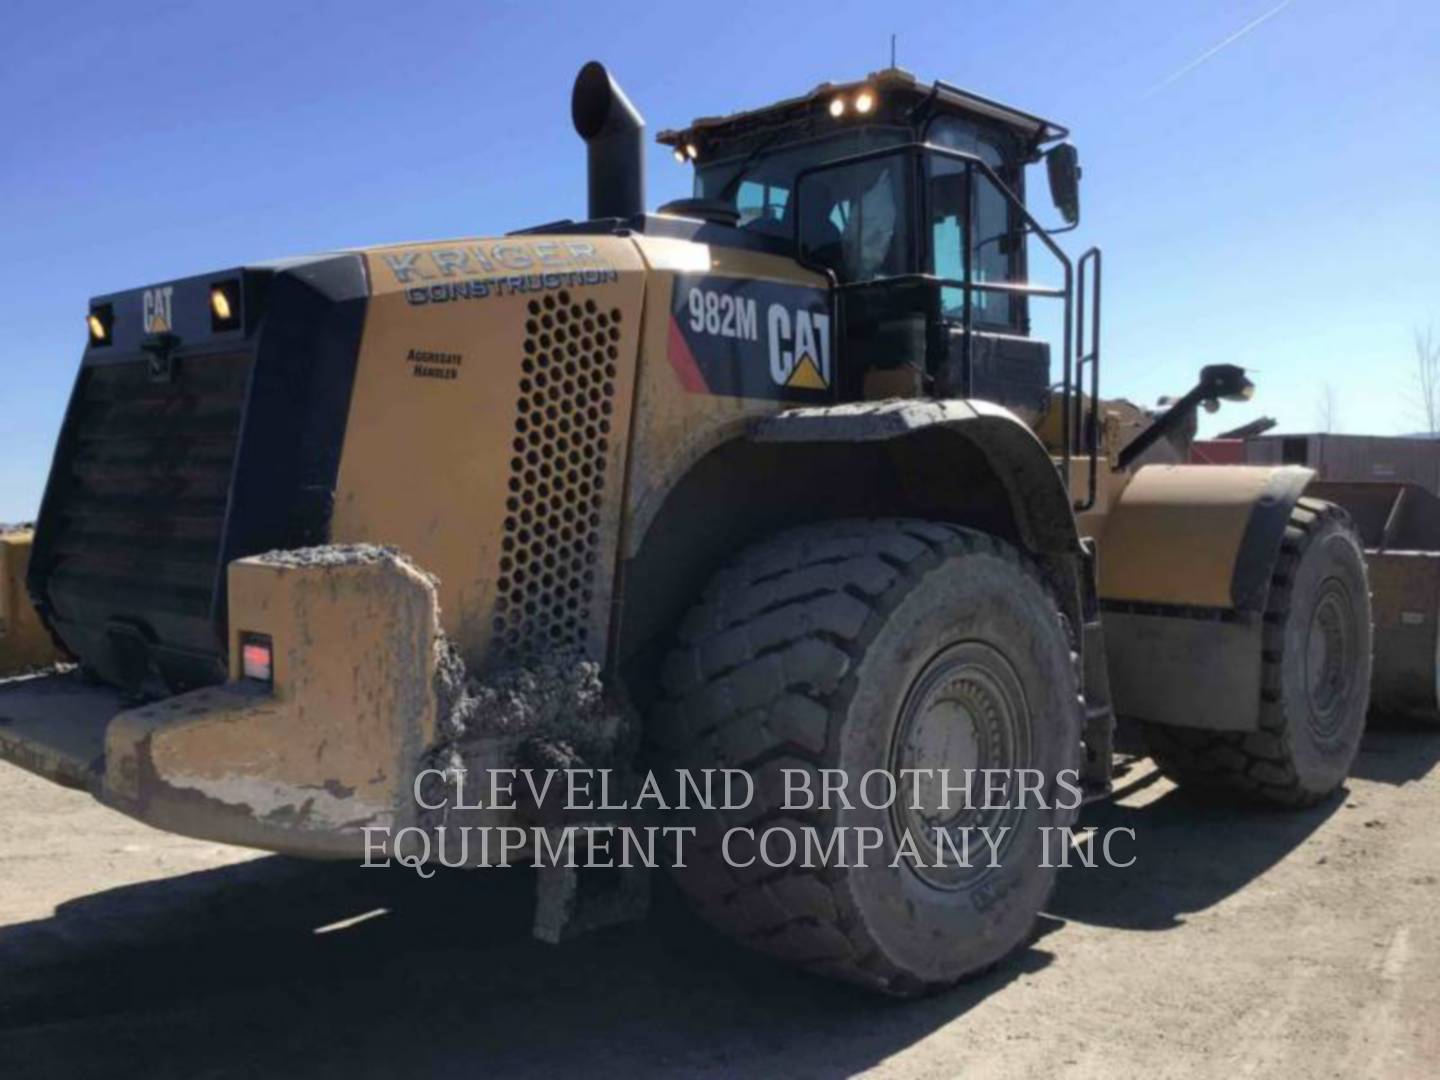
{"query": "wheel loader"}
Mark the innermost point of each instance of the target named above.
(788, 459)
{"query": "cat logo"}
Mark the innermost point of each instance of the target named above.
(747, 338)
(157, 309)
(799, 348)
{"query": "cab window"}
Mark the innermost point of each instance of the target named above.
(760, 186)
(761, 201)
(855, 219)
(991, 248)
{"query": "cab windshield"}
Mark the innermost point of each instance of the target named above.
(759, 187)
(857, 217)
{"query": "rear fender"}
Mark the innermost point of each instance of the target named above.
(1038, 500)
(926, 441)
(969, 463)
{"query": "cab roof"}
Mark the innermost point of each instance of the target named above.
(895, 90)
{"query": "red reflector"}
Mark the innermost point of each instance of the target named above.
(256, 656)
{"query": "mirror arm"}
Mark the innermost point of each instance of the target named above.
(1168, 421)
(1218, 382)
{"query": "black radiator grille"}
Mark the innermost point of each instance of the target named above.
(171, 464)
(134, 530)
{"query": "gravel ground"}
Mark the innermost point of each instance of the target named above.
(1271, 945)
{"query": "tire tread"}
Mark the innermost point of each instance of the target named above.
(1255, 765)
(762, 667)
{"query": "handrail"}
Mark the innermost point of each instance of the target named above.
(1091, 356)
(917, 151)
(1020, 288)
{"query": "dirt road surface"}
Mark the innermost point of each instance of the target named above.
(1270, 945)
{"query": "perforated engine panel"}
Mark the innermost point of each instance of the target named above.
(552, 540)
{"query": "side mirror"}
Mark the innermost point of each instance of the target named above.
(1062, 167)
(1224, 382)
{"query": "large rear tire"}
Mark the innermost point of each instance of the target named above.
(1315, 679)
(863, 645)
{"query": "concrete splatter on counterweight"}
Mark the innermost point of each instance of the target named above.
(555, 712)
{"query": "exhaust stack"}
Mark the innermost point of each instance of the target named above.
(613, 132)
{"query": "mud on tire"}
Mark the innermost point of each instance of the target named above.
(1315, 680)
(862, 645)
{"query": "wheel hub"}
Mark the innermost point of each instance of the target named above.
(1330, 644)
(964, 714)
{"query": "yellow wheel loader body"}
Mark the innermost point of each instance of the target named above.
(278, 520)
(533, 424)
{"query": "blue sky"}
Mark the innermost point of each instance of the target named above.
(1276, 204)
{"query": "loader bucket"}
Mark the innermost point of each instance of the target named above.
(1400, 527)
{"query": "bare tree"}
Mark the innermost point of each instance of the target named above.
(1327, 410)
(1427, 379)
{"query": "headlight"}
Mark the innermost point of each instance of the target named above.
(101, 321)
(225, 305)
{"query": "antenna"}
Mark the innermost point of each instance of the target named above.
(892, 50)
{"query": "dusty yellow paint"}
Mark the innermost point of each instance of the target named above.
(1174, 534)
(674, 428)
(427, 460)
(1165, 533)
(24, 641)
(336, 745)
(456, 436)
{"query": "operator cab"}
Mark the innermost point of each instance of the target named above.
(903, 193)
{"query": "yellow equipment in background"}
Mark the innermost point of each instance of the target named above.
(25, 644)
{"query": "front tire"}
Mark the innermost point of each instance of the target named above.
(1316, 678)
(865, 645)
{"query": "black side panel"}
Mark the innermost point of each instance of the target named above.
(159, 482)
(1010, 371)
(300, 396)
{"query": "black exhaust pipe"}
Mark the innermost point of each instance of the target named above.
(613, 132)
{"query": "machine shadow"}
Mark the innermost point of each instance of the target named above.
(221, 973)
(1189, 855)
(1397, 751)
